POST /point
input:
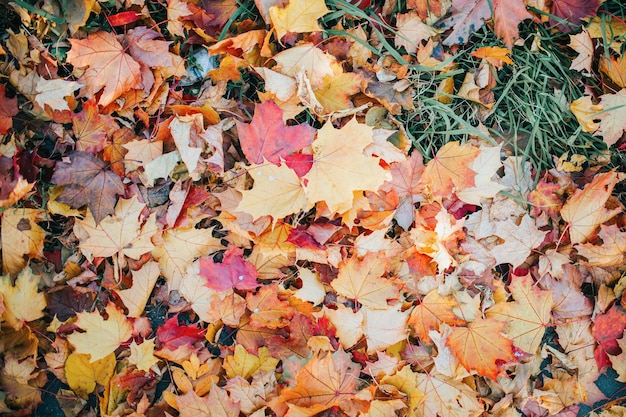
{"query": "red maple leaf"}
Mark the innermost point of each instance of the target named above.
(232, 272)
(607, 328)
(174, 335)
(268, 137)
(572, 11)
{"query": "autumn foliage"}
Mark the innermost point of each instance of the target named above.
(210, 208)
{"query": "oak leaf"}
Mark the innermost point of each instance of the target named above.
(585, 210)
(21, 236)
(267, 137)
(100, 337)
(108, 66)
(22, 300)
(88, 181)
(299, 16)
(527, 317)
(481, 346)
(339, 166)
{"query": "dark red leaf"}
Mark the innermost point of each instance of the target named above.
(573, 11)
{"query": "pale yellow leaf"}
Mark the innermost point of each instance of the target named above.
(21, 236)
(135, 297)
(142, 355)
(299, 16)
(22, 302)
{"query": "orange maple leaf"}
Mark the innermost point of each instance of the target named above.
(450, 168)
(481, 346)
(109, 66)
(433, 310)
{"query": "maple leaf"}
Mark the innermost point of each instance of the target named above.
(586, 113)
(582, 44)
(467, 16)
(434, 310)
(142, 355)
(100, 337)
(481, 346)
(572, 11)
(610, 252)
(613, 117)
(125, 232)
(361, 280)
(526, 318)
(88, 181)
(22, 301)
(178, 337)
(20, 236)
(251, 396)
(83, 374)
(585, 210)
(450, 168)
(307, 58)
(339, 166)
(446, 397)
(411, 31)
(299, 16)
(91, 128)
(53, 93)
(507, 15)
(246, 365)
(495, 55)
(334, 92)
(144, 46)
(179, 247)
(267, 137)
(267, 309)
(232, 272)
(109, 66)
(136, 297)
(8, 109)
(321, 384)
(384, 328)
(518, 241)
(277, 192)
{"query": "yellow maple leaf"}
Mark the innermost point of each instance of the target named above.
(21, 235)
(307, 57)
(613, 118)
(246, 364)
(299, 16)
(83, 375)
(610, 252)
(277, 191)
(22, 302)
(446, 397)
(125, 232)
(334, 92)
(526, 318)
(100, 337)
(340, 168)
(362, 280)
(584, 210)
(450, 168)
(142, 355)
(586, 113)
(495, 55)
(135, 297)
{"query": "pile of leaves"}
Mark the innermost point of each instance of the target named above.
(214, 208)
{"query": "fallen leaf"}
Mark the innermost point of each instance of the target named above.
(83, 374)
(100, 337)
(610, 252)
(88, 181)
(582, 44)
(299, 16)
(136, 297)
(433, 310)
(246, 365)
(572, 11)
(232, 272)
(481, 346)
(450, 168)
(507, 15)
(53, 93)
(613, 117)
(267, 309)
(267, 137)
(8, 109)
(22, 300)
(495, 55)
(411, 31)
(585, 210)
(467, 16)
(142, 355)
(446, 397)
(20, 236)
(108, 66)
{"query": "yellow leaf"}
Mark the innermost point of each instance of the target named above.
(610, 252)
(446, 397)
(340, 168)
(308, 58)
(412, 31)
(101, 337)
(299, 16)
(277, 191)
(21, 235)
(362, 280)
(135, 297)
(142, 355)
(450, 168)
(125, 232)
(586, 113)
(246, 364)
(495, 55)
(584, 210)
(406, 381)
(83, 375)
(527, 317)
(22, 301)
(333, 94)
